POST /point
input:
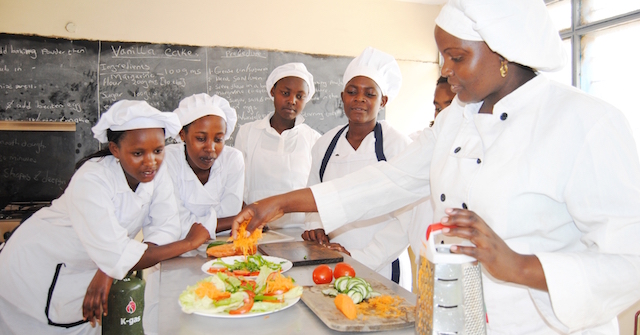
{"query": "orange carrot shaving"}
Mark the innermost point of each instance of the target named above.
(247, 244)
(206, 288)
(383, 306)
(276, 282)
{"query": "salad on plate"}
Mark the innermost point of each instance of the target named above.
(226, 295)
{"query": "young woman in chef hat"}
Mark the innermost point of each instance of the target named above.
(58, 266)
(208, 176)
(277, 149)
(542, 178)
(370, 81)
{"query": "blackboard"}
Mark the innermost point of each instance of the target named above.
(47, 79)
(36, 160)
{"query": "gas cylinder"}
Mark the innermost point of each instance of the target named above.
(450, 297)
(125, 306)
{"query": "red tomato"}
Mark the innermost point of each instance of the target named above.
(322, 274)
(248, 304)
(343, 269)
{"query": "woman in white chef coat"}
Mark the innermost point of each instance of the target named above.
(542, 178)
(277, 149)
(58, 266)
(208, 176)
(370, 81)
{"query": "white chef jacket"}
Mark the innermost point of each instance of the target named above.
(554, 172)
(92, 225)
(219, 197)
(276, 163)
(374, 242)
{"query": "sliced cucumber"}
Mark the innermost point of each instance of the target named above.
(330, 292)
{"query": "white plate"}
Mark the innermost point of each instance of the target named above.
(247, 315)
(286, 265)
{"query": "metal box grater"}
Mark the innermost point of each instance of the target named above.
(450, 297)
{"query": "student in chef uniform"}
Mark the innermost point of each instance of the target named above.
(370, 81)
(208, 176)
(277, 149)
(65, 256)
(543, 178)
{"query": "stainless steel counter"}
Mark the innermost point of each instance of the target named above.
(178, 273)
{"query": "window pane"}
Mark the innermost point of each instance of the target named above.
(564, 75)
(609, 69)
(560, 12)
(595, 10)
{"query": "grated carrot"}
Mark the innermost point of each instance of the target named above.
(278, 282)
(206, 288)
(383, 306)
(247, 244)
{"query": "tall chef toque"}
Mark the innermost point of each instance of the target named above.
(196, 106)
(291, 70)
(380, 67)
(133, 114)
(519, 30)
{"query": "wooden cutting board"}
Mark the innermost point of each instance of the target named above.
(301, 252)
(324, 307)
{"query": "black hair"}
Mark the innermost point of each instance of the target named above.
(112, 136)
(442, 80)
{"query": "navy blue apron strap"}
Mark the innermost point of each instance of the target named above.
(395, 271)
(46, 308)
(327, 154)
(377, 132)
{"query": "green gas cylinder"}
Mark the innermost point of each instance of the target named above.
(125, 306)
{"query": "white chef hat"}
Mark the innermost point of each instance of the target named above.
(380, 67)
(291, 70)
(521, 31)
(135, 114)
(196, 106)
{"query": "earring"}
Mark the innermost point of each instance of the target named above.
(504, 68)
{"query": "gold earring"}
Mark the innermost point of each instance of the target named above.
(504, 68)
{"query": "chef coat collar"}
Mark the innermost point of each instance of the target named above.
(511, 103)
(265, 124)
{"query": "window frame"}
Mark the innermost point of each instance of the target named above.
(577, 31)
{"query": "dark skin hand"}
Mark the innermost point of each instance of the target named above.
(319, 236)
(316, 235)
(266, 210)
(491, 250)
(95, 300)
(94, 305)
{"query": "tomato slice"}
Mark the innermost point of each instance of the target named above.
(241, 272)
(248, 304)
(216, 270)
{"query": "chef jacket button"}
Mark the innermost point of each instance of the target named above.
(479, 161)
(464, 206)
(456, 150)
(503, 116)
(442, 197)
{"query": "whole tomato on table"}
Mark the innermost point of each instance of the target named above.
(322, 274)
(343, 269)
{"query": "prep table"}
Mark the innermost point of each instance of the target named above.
(178, 273)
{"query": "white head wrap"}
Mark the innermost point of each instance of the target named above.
(291, 70)
(196, 106)
(133, 114)
(380, 67)
(519, 30)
